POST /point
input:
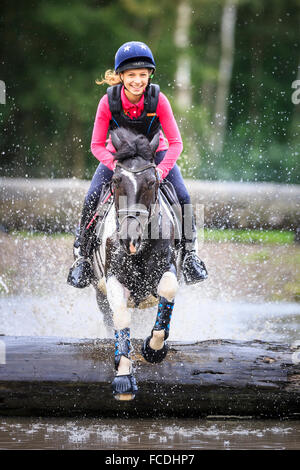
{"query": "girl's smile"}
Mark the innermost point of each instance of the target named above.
(135, 82)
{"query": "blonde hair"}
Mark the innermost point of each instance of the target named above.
(110, 78)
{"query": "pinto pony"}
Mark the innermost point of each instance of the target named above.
(137, 256)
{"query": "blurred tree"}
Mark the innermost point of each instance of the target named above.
(183, 85)
(52, 52)
(225, 71)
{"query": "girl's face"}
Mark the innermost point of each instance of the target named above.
(135, 81)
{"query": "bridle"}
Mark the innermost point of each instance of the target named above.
(137, 214)
(138, 170)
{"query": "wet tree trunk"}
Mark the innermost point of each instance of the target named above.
(225, 71)
(61, 376)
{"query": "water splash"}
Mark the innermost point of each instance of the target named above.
(76, 314)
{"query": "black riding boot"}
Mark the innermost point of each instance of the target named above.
(193, 268)
(80, 274)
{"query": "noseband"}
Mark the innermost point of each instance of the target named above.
(124, 214)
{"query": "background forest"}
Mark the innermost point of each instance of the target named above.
(227, 66)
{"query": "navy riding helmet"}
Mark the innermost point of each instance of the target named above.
(134, 55)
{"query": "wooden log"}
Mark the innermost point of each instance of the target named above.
(61, 376)
(55, 205)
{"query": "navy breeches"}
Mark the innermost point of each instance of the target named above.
(103, 175)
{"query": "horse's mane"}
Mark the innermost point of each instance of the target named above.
(132, 145)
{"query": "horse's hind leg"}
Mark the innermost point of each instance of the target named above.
(124, 384)
(155, 347)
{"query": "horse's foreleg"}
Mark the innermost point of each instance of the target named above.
(124, 385)
(155, 347)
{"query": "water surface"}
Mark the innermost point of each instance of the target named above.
(149, 434)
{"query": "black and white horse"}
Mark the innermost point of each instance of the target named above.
(137, 258)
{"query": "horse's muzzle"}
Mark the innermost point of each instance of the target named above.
(131, 228)
(131, 247)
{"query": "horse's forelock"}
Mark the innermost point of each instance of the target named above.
(132, 145)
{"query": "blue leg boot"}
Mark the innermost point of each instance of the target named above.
(124, 386)
(163, 318)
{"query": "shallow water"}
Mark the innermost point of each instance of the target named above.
(70, 313)
(83, 433)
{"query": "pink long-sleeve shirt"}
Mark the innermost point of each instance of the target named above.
(102, 148)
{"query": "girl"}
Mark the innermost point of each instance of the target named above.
(127, 104)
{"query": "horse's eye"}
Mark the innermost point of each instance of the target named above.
(117, 180)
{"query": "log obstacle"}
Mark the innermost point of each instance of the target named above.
(55, 205)
(49, 376)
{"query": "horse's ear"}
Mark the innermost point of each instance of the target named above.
(115, 140)
(154, 142)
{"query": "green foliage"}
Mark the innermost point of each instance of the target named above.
(52, 52)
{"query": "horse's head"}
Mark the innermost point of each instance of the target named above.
(135, 185)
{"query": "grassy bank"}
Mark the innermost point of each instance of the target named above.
(277, 237)
(250, 236)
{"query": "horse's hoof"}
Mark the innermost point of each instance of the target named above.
(154, 355)
(124, 387)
